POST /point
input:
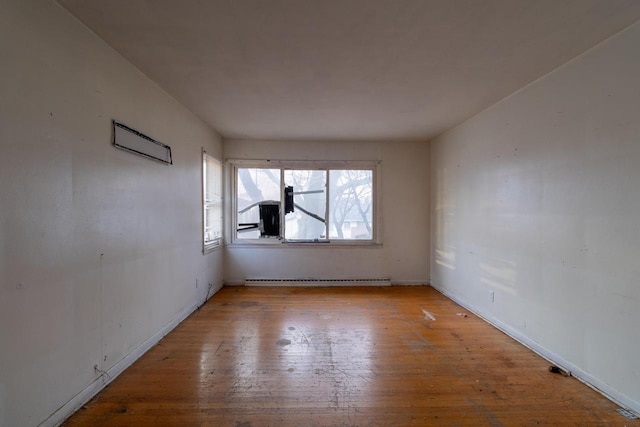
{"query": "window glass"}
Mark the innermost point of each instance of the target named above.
(350, 204)
(212, 201)
(258, 193)
(307, 221)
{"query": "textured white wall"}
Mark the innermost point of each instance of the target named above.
(404, 197)
(99, 249)
(536, 199)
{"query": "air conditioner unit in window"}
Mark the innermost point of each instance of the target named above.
(269, 219)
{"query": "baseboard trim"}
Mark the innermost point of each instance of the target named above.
(69, 408)
(393, 283)
(376, 281)
(402, 283)
(582, 376)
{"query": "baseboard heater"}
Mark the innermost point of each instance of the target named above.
(385, 281)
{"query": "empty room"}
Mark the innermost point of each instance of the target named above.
(319, 212)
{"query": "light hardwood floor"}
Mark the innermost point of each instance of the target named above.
(361, 356)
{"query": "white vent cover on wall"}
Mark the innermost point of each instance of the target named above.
(131, 140)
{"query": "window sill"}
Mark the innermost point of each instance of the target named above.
(269, 243)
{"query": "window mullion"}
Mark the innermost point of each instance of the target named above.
(282, 202)
(326, 204)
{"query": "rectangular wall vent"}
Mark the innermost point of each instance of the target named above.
(128, 139)
(319, 282)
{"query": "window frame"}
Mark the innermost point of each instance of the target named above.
(208, 246)
(232, 176)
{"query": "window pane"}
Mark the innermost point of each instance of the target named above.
(255, 186)
(350, 204)
(212, 200)
(307, 221)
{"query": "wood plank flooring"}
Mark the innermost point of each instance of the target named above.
(255, 356)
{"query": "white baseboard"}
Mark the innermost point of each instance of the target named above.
(586, 378)
(392, 282)
(384, 281)
(69, 408)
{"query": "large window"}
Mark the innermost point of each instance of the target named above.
(211, 202)
(304, 202)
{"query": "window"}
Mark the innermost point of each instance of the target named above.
(304, 201)
(351, 207)
(257, 190)
(211, 202)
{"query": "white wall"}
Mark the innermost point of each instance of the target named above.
(404, 180)
(537, 199)
(100, 249)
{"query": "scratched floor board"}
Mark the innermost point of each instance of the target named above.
(258, 356)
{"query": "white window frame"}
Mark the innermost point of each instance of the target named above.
(234, 164)
(217, 199)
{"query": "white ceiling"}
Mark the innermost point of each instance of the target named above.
(347, 69)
